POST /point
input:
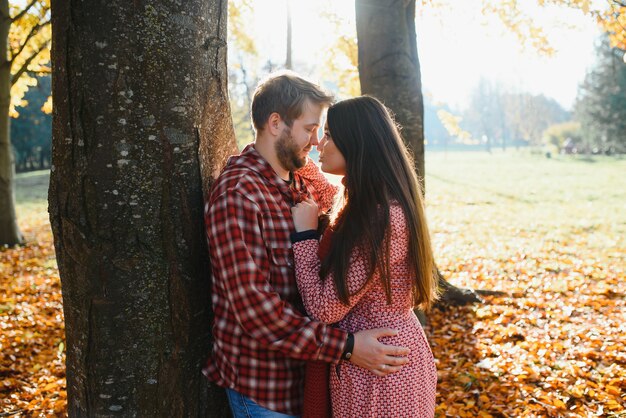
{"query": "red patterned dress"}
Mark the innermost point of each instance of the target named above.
(356, 392)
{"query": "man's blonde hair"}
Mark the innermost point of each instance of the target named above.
(285, 93)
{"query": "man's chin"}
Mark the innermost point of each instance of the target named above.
(300, 162)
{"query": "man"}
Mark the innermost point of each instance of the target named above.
(262, 337)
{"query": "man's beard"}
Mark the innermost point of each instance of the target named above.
(288, 152)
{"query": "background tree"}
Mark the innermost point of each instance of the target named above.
(24, 49)
(389, 65)
(141, 116)
(389, 70)
(529, 115)
(601, 104)
(485, 117)
(288, 58)
(502, 117)
(564, 137)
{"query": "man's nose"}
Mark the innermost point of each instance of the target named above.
(315, 141)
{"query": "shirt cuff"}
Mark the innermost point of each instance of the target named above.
(335, 341)
(304, 235)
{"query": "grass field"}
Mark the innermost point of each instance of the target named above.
(550, 233)
(505, 205)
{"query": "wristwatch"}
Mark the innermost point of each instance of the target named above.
(347, 351)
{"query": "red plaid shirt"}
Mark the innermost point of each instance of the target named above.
(262, 337)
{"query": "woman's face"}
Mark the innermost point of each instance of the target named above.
(331, 158)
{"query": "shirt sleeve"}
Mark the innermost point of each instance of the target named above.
(319, 184)
(241, 271)
(320, 297)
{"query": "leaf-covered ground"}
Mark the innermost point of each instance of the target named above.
(32, 355)
(549, 233)
(552, 235)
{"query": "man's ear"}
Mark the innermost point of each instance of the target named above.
(274, 123)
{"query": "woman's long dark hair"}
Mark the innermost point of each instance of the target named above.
(379, 169)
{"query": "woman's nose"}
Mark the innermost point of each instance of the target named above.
(320, 145)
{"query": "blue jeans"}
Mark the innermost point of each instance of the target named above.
(244, 407)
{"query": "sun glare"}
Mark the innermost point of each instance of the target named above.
(457, 46)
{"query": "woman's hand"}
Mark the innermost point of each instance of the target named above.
(305, 215)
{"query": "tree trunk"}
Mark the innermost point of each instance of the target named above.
(9, 231)
(140, 111)
(288, 63)
(389, 69)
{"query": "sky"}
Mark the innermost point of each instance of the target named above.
(456, 46)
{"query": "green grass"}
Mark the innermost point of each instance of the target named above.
(32, 188)
(510, 204)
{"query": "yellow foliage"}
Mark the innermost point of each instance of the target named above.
(29, 47)
(18, 89)
(341, 56)
(611, 16)
(47, 106)
(239, 12)
(451, 123)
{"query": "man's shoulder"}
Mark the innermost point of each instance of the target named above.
(243, 182)
(238, 176)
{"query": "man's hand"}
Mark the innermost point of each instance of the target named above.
(375, 356)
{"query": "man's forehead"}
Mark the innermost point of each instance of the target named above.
(311, 113)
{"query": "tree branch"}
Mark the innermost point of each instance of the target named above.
(33, 32)
(24, 67)
(23, 12)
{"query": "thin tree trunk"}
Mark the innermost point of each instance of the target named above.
(389, 69)
(140, 110)
(288, 63)
(9, 231)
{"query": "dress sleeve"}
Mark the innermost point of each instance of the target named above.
(323, 190)
(241, 274)
(320, 297)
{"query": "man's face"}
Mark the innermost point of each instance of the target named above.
(293, 144)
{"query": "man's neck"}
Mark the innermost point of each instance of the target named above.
(266, 148)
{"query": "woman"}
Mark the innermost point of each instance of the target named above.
(378, 265)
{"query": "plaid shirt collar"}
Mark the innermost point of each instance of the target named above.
(294, 191)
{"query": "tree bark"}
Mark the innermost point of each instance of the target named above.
(389, 69)
(141, 117)
(9, 231)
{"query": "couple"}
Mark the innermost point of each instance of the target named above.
(277, 287)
